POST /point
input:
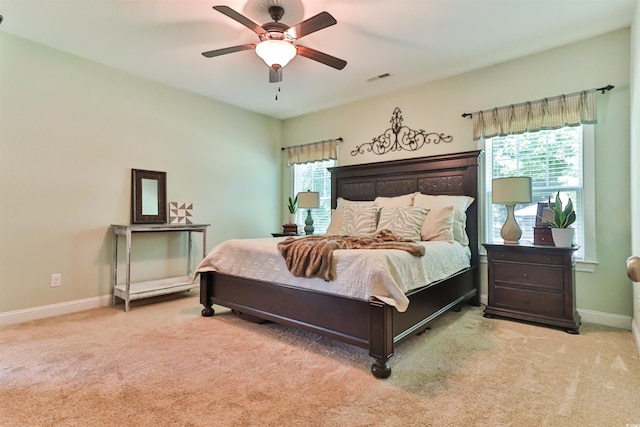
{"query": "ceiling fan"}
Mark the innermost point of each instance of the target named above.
(276, 46)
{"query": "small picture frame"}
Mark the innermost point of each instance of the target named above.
(543, 213)
(148, 195)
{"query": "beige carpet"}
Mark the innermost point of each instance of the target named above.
(163, 364)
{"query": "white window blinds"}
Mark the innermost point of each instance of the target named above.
(314, 176)
(554, 161)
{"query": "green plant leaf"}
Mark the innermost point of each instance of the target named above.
(293, 204)
(562, 217)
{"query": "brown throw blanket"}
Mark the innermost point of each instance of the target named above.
(312, 256)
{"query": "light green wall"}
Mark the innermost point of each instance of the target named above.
(635, 159)
(437, 106)
(71, 131)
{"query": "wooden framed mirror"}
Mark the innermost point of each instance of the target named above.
(148, 197)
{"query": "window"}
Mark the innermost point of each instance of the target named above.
(314, 177)
(555, 160)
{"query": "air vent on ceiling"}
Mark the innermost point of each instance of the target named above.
(381, 76)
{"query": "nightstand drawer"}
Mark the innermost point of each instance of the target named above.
(530, 275)
(536, 258)
(539, 303)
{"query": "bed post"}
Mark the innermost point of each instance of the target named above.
(473, 220)
(381, 338)
(206, 291)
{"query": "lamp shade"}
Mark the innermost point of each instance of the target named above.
(277, 52)
(515, 189)
(308, 199)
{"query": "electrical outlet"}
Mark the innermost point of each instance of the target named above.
(638, 302)
(56, 280)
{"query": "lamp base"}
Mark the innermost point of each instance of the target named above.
(308, 228)
(511, 231)
(511, 242)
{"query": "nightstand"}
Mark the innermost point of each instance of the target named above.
(533, 283)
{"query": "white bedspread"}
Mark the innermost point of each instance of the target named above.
(360, 273)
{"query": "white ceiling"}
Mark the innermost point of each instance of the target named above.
(416, 41)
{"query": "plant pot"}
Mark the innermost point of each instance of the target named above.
(563, 237)
(292, 218)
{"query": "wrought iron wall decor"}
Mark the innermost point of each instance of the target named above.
(399, 137)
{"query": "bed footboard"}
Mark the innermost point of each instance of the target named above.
(372, 325)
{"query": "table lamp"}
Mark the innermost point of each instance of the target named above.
(511, 191)
(308, 200)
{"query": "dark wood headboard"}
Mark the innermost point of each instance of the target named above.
(454, 174)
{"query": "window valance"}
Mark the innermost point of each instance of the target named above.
(532, 116)
(314, 152)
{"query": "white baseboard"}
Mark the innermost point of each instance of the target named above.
(19, 316)
(606, 319)
(597, 317)
(34, 313)
(635, 330)
(484, 299)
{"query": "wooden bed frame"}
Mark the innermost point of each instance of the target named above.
(373, 324)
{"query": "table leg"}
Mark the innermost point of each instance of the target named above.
(114, 268)
(128, 283)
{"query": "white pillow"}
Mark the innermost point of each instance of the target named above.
(404, 200)
(335, 225)
(337, 215)
(403, 221)
(359, 220)
(438, 225)
(460, 205)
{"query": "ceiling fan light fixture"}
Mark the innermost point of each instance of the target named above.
(278, 52)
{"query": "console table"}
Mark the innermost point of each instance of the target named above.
(128, 291)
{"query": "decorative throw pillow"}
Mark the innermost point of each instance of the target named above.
(334, 227)
(404, 200)
(403, 221)
(438, 225)
(359, 220)
(337, 215)
(460, 205)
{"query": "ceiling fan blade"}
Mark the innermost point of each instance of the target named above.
(218, 52)
(311, 25)
(226, 10)
(275, 74)
(323, 58)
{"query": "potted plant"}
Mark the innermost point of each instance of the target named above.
(563, 217)
(292, 205)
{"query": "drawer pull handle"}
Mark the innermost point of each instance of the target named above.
(526, 299)
(549, 259)
(525, 275)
